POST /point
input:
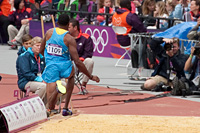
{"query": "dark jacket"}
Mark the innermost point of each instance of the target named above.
(132, 20)
(18, 15)
(84, 45)
(194, 34)
(21, 50)
(27, 68)
(178, 60)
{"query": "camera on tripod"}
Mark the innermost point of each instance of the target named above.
(197, 50)
(168, 46)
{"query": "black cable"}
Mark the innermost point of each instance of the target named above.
(106, 94)
(165, 94)
(8, 83)
(8, 77)
(113, 78)
(98, 95)
(110, 85)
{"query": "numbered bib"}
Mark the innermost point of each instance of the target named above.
(54, 49)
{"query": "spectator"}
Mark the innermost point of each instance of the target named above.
(59, 64)
(194, 13)
(84, 45)
(136, 7)
(20, 18)
(148, 9)
(5, 8)
(103, 4)
(26, 43)
(68, 6)
(124, 18)
(81, 17)
(29, 66)
(181, 7)
(170, 59)
(170, 8)
(161, 12)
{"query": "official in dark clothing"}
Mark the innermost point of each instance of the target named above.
(85, 47)
(169, 61)
(124, 18)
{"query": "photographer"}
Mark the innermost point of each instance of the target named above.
(193, 33)
(192, 65)
(170, 60)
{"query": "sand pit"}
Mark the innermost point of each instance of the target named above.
(119, 124)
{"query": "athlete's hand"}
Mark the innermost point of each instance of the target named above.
(95, 78)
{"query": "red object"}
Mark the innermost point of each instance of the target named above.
(82, 59)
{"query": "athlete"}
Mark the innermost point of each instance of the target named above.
(59, 49)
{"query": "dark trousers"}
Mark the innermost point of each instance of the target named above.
(4, 22)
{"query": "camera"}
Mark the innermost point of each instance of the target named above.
(161, 87)
(168, 46)
(197, 50)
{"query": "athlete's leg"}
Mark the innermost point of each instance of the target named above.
(51, 95)
(70, 87)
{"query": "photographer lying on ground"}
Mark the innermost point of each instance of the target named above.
(170, 59)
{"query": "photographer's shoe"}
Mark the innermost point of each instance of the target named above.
(66, 112)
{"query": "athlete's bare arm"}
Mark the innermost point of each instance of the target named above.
(71, 43)
(46, 37)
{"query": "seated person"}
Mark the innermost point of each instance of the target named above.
(181, 7)
(103, 5)
(124, 18)
(5, 8)
(68, 6)
(161, 12)
(20, 18)
(81, 17)
(148, 8)
(169, 59)
(29, 67)
(84, 47)
(26, 43)
(193, 14)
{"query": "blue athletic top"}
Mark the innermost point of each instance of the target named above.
(55, 49)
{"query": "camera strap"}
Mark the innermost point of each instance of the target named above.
(168, 69)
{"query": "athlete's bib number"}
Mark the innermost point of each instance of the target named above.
(54, 49)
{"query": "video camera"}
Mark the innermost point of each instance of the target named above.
(168, 46)
(197, 50)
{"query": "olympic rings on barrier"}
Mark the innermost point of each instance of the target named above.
(98, 40)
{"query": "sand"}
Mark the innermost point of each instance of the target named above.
(90, 123)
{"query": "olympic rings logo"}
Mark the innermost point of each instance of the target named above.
(99, 40)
